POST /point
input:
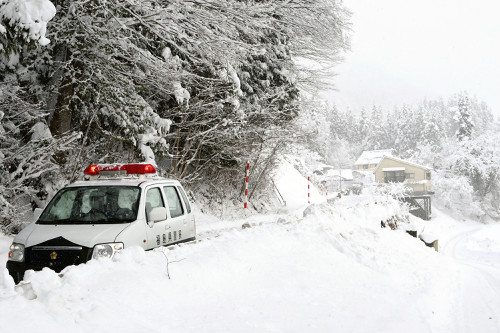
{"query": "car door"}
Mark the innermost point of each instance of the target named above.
(176, 223)
(156, 230)
(189, 219)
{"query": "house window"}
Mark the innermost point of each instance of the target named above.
(394, 176)
(409, 175)
(428, 175)
(365, 166)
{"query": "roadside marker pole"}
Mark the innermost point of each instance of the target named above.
(326, 189)
(246, 189)
(309, 190)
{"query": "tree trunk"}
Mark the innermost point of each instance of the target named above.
(60, 114)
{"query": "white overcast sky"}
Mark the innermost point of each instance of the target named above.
(405, 51)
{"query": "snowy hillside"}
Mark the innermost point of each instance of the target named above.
(328, 268)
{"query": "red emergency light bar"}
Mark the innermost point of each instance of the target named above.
(136, 169)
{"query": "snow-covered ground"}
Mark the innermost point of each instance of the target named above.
(328, 267)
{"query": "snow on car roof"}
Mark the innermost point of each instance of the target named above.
(126, 181)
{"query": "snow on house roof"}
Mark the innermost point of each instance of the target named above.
(401, 161)
(394, 169)
(328, 171)
(373, 156)
(345, 174)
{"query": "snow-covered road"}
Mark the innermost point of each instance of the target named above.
(477, 250)
(333, 269)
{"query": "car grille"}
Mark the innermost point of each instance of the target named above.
(56, 254)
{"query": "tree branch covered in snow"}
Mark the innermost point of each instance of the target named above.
(24, 19)
(197, 87)
(26, 154)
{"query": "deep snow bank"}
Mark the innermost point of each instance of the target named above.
(333, 270)
(327, 268)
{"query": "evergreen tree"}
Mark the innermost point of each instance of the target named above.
(364, 128)
(463, 117)
(405, 142)
(391, 127)
(337, 123)
(432, 130)
(350, 126)
(378, 132)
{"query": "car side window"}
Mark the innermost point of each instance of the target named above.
(174, 202)
(153, 200)
(184, 197)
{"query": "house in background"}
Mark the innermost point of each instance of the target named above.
(387, 167)
(395, 170)
(414, 176)
(369, 159)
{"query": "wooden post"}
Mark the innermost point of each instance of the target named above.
(308, 190)
(245, 206)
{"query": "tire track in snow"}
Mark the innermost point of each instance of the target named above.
(480, 284)
(220, 227)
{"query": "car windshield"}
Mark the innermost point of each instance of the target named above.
(92, 205)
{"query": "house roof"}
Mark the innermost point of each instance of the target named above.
(401, 161)
(373, 156)
(328, 171)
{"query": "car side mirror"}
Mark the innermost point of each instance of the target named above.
(157, 214)
(36, 214)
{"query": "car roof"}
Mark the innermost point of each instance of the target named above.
(127, 181)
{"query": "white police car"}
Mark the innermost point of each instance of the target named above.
(120, 205)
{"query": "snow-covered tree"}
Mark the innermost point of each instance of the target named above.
(197, 87)
(432, 129)
(26, 151)
(21, 22)
(463, 117)
(338, 125)
(134, 71)
(364, 128)
(377, 138)
(477, 160)
(405, 142)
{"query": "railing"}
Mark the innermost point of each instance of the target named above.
(417, 193)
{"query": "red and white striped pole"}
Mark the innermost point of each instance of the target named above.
(326, 189)
(246, 188)
(308, 190)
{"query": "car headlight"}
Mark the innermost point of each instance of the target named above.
(106, 250)
(16, 252)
